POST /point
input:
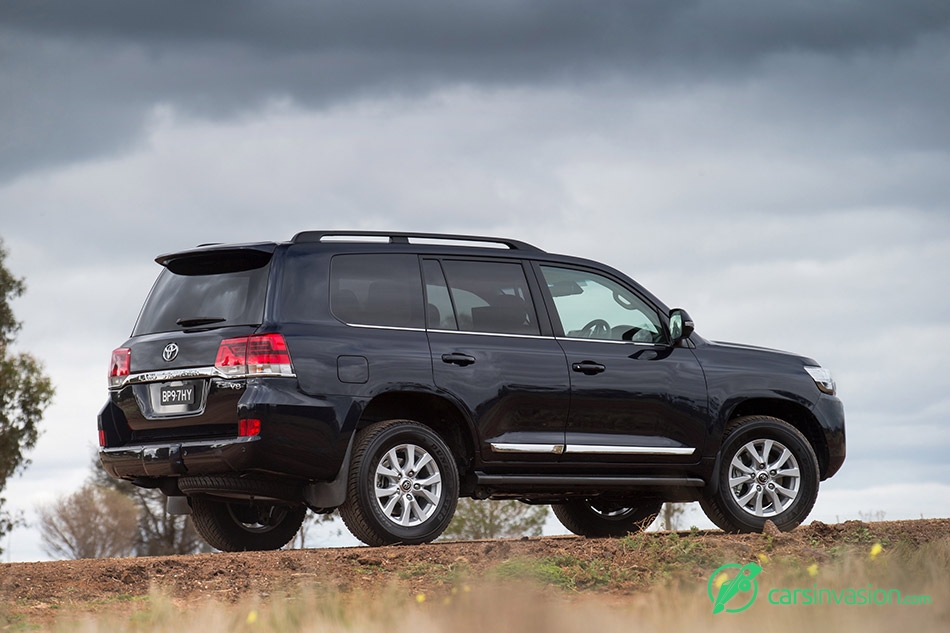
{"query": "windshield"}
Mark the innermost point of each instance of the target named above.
(188, 297)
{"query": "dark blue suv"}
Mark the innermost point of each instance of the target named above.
(387, 374)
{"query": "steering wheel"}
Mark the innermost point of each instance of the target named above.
(598, 328)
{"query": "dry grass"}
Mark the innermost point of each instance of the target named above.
(519, 598)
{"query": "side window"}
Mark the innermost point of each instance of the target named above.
(439, 312)
(491, 297)
(377, 290)
(595, 307)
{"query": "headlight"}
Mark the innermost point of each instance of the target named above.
(822, 378)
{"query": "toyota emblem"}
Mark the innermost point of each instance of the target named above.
(170, 352)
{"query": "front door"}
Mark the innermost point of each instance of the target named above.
(635, 398)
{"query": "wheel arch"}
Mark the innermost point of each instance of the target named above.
(792, 412)
(435, 411)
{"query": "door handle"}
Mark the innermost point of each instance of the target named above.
(457, 358)
(588, 367)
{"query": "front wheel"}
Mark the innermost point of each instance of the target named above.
(240, 526)
(403, 485)
(768, 472)
(595, 518)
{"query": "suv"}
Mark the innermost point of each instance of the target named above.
(387, 374)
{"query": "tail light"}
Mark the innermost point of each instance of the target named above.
(258, 355)
(232, 357)
(119, 366)
(102, 438)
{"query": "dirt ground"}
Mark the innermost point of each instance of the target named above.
(625, 566)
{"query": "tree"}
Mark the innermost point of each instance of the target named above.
(312, 519)
(162, 534)
(494, 519)
(25, 392)
(93, 522)
(670, 516)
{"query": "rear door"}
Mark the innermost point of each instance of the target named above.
(491, 354)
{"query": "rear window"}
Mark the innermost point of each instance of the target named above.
(377, 290)
(206, 292)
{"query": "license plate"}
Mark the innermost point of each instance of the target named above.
(178, 395)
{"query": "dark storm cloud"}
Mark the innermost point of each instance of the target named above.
(79, 78)
(565, 28)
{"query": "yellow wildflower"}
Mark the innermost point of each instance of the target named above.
(721, 578)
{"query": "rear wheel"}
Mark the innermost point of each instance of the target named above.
(238, 526)
(596, 518)
(768, 472)
(403, 485)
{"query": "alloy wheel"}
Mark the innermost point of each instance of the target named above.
(764, 477)
(408, 485)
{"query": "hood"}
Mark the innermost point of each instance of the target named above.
(739, 347)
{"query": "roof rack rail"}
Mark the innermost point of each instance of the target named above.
(398, 237)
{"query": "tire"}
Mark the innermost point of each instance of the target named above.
(747, 496)
(240, 526)
(402, 486)
(597, 519)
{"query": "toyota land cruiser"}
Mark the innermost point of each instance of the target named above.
(388, 374)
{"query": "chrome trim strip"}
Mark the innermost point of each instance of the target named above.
(439, 331)
(506, 447)
(172, 374)
(385, 327)
(604, 340)
(531, 336)
(598, 449)
(502, 334)
(187, 374)
(589, 449)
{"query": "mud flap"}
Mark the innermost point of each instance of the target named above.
(177, 505)
(327, 495)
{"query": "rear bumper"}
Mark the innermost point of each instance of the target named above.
(165, 460)
(301, 437)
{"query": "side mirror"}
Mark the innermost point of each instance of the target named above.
(681, 325)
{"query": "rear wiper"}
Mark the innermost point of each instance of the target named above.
(197, 321)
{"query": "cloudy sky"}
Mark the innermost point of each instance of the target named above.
(782, 170)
